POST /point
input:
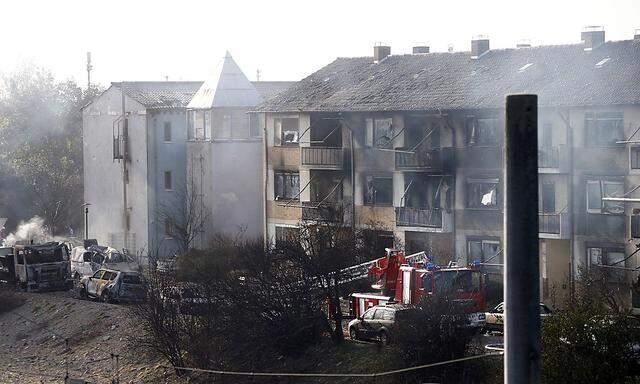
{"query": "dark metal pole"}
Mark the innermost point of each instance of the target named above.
(522, 269)
(86, 222)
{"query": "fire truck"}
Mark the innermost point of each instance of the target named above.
(407, 279)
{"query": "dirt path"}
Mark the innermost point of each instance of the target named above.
(33, 347)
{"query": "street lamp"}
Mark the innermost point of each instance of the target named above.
(86, 220)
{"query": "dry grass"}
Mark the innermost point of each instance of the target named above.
(9, 300)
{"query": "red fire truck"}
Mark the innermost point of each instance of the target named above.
(406, 279)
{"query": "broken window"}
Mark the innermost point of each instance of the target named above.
(634, 157)
(483, 131)
(168, 182)
(603, 128)
(379, 133)
(286, 130)
(287, 185)
(167, 132)
(483, 193)
(597, 189)
(379, 190)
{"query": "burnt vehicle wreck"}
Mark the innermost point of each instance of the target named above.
(42, 267)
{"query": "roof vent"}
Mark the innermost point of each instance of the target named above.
(592, 37)
(636, 35)
(420, 49)
(380, 52)
(479, 46)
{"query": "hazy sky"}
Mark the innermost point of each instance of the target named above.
(286, 40)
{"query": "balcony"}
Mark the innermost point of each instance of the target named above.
(321, 157)
(328, 212)
(435, 219)
(553, 225)
(419, 160)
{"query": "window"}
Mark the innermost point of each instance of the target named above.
(207, 125)
(548, 198)
(199, 125)
(483, 194)
(191, 125)
(486, 251)
(598, 256)
(597, 189)
(286, 130)
(388, 314)
(168, 183)
(634, 157)
(379, 133)
(483, 131)
(635, 226)
(369, 314)
(379, 315)
(287, 185)
(603, 128)
(167, 131)
(168, 228)
(255, 126)
(379, 191)
(225, 129)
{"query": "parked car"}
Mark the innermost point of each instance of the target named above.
(86, 261)
(376, 323)
(494, 320)
(111, 285)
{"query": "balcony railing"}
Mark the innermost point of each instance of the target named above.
(548, 157)
(549, 223)
(418, 217)
(332, 212)
(418, 160)
(321, 157)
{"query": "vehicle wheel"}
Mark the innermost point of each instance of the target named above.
(353, 333)
(105, 297)
(83, 292)
(384, 338)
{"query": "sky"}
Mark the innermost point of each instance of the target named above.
(285, 40)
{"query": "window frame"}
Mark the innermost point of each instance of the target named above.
(169, 179)
(279, 132)
(472, 129)
(167, 132)
(593, 119)
(373, 202)
(632, 149)
(603, 210)
(372, 137)
(477, 180)
(285, 175)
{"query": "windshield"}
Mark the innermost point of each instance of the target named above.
(448, 282)
(49, 255)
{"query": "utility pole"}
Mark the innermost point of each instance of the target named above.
(86, 220)
(521, 267)
(89, 68)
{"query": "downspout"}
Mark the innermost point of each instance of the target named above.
(353, 181)
(125, 145)
(571, 207)
(265, 147)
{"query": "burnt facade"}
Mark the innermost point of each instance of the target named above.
(413, 144)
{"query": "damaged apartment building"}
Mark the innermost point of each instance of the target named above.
(412, 143)
(136, 144)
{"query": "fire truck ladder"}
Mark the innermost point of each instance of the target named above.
(361, 271)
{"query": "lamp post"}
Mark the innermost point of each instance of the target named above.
(86, 220)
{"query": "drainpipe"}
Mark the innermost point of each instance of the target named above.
(266, 182)
(353, 181)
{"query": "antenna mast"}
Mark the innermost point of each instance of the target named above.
(89, 68)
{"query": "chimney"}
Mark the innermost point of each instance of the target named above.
(380, 52)
(592, 37)
(479, 46)
(418, 49)
(636, 35)
(524, 43)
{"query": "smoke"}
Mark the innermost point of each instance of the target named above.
(31, 230)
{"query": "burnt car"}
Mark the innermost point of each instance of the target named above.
(42, 267)
(110, 286)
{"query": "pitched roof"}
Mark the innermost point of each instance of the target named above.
(561, 75)
(160, 94)
(268, 89)
(230, 89)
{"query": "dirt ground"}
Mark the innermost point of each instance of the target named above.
(33, 347)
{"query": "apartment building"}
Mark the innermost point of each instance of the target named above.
(413, 143)
(135, 144)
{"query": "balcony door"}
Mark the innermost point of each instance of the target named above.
(548, 198)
